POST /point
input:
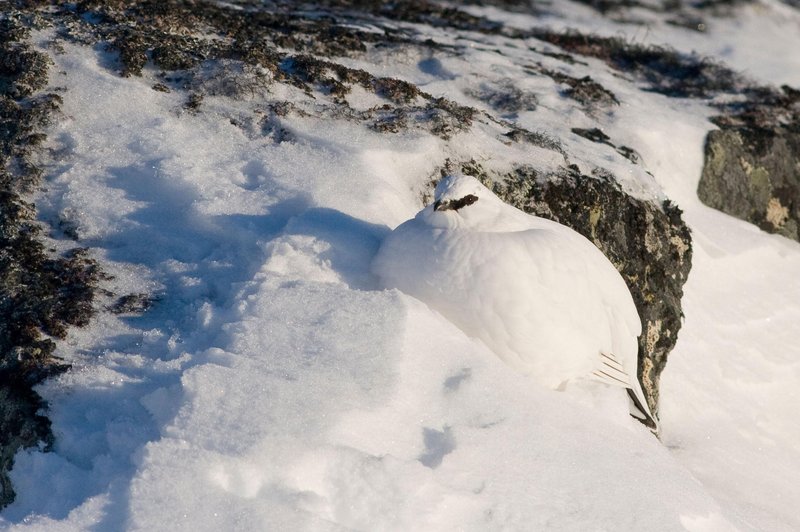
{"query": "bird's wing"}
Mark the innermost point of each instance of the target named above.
(616, 363)
(611, 371)
(542, 298)
(545, 300)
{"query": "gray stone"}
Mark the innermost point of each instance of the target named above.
(754, 174)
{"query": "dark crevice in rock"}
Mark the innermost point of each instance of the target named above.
(590, 94)
(596, 135)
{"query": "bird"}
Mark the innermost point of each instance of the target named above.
(538, 294)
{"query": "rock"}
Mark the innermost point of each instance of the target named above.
(586, 91)
(752, 163)
(21, 425)
(597, 135)
(663, 69)
(754, 174)
(40, 294)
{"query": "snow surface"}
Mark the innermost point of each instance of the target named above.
(274, 387)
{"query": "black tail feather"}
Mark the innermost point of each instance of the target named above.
(645, 418)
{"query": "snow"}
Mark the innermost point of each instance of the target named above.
(737, 39)
(273, 386)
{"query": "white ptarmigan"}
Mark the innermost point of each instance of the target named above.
(538, 294)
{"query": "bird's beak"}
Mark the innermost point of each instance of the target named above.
(439, 206)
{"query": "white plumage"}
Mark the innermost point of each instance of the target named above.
(538, 294)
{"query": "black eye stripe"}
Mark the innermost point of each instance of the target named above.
(469, 199)
(454, 205)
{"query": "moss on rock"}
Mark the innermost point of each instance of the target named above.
(754, 174)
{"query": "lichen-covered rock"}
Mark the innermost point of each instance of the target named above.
(648, 243)
(754, 174)
(752, 163)
(40, 294)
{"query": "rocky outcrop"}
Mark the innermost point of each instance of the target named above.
(40, 294)
(752, 163)
(754, 174)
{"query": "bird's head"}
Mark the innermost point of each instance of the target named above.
(459, 201)
(457, 191)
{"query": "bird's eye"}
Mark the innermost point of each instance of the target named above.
(469, 199)
(460, 203)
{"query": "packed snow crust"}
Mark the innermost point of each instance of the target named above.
(273, 386)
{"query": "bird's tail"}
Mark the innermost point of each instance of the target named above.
(641, 412)
(612, 372)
